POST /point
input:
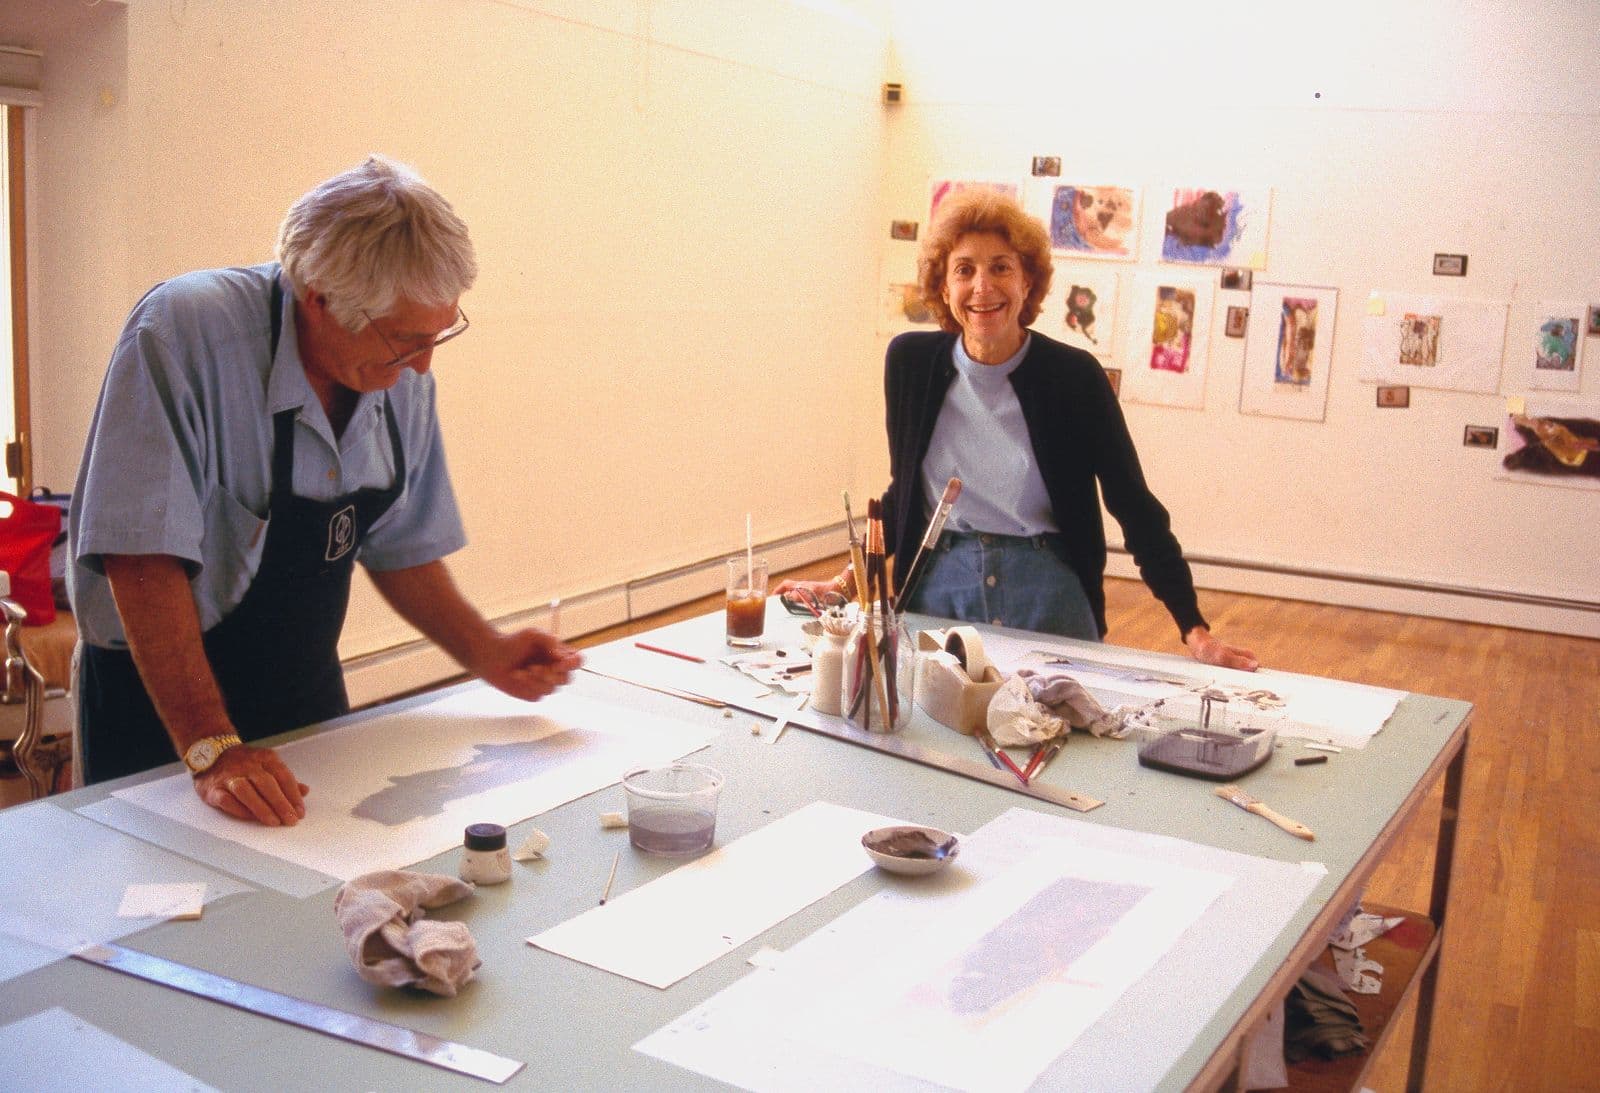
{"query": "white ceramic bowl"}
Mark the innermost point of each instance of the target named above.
(910, 849)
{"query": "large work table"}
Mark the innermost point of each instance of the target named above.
(574, 1025)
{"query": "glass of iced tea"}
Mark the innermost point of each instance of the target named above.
(747, 600)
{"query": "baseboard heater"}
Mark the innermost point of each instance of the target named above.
(1499, 595)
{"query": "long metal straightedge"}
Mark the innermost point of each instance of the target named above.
(411, 1044)
(895, 744)
(890, 743)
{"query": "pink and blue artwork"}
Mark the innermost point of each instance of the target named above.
(1094, 221)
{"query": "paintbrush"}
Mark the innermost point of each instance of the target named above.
(1239, 797)
(919, 561)
(1043, 754)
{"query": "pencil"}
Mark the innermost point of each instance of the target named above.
(555, 617)
(613, 876)
(668, 652)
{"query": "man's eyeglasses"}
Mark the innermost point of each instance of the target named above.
(801, 602)
(455, 330)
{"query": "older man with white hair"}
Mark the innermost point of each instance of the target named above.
(260, 430)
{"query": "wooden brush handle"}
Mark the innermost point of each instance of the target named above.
(1298, 830)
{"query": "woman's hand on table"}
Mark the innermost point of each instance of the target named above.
(816, 589)
(250, 783)
(1209, 649)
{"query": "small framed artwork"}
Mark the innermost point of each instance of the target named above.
(903, 229)
(1481, 436)
(1114, 376)
(1591, 326)
(1394, 398)
(1238, 319)
(1449, 265)
(1047, 166)
(1234, 277)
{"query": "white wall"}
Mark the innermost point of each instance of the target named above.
(681, 211)
(668, 201)
(1388, 133)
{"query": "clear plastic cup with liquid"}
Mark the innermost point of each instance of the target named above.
(672, 809)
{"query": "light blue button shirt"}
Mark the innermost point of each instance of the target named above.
(179, 459)
(982, 439)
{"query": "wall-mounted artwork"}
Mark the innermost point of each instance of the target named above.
(1081, 308)
(1288, 351)
(902, 308)
(1217, 227)
(1552, 442)
(1166, 344)
(1087, 221)
(1551, 357)
(1419, 339)
(1446, 343)
(943, 186)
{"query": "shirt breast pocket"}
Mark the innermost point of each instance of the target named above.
(234, 540)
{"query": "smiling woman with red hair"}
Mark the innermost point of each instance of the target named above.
(1034, 432)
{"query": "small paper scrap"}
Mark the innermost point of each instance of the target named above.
(1375, 305)
(183, 901)
(610, 820)
(533, 847)
(1358, 973)
(765, 957)
(1361, 928)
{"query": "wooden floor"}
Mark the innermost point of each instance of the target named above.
(1518, 1006)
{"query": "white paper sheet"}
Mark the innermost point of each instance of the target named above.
(56, 1049)
(1443, 342)
(623, 660)
(1165, 342)
(990, 973)
(1324, 710)
(659, 933)
(40, 921)
(475, 755)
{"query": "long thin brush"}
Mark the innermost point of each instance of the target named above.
(919, 562)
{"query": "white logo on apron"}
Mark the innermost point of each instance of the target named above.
(341, 533)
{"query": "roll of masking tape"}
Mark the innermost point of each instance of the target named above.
(966, 646)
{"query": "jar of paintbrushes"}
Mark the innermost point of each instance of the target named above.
(879, 674)
(880, 661)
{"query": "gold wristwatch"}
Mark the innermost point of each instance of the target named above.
(203, 753)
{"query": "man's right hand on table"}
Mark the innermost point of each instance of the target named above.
(252, 783)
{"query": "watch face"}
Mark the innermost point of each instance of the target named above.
(202, 755)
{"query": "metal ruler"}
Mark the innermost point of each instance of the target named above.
(353, 1027)
(896, 744)
(891, 743)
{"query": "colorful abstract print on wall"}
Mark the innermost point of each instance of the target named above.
(1172, 330)
(1094, 221)
(1297, 338)
(1217, 227)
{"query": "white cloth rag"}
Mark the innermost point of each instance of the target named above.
(1069, 700)
(1016, 718)
(389, 941)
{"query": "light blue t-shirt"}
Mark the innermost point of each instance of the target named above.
(179, 459)
(982, 439)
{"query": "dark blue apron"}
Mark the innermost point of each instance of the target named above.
(275, 655)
